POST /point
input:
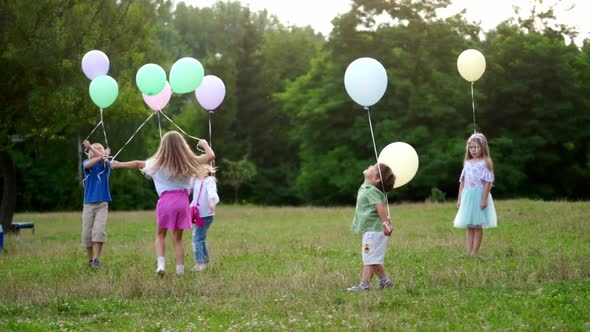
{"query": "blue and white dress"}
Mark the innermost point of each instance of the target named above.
(470, 214)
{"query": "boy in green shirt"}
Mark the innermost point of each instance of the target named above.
(371, 220)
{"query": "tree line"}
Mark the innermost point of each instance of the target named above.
(287, 133)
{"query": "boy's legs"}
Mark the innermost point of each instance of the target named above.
(88, 215)
(99, 229)
(89, 253)
(373, 252)
(379, 270)
(367, 274)
(97, 248)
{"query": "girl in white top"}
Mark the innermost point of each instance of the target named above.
(205, 198)
(172, 168)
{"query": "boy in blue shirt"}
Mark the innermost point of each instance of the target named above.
(97, 169)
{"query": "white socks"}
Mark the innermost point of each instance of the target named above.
(161, 263)
(162, 266)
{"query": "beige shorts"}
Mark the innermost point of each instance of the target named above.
(94, 223)
(374, 246)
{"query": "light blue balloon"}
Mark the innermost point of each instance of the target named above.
(103, 91)
(365, 81)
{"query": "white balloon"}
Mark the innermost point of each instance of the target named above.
(403, 161)
(365, 81)
(471, 64)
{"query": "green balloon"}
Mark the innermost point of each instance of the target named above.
(103, 91)
(186, 75)
(150, 79)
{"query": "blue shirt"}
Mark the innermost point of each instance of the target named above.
(96, 182)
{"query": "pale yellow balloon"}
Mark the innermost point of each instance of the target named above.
(471, 64)
(403, 161)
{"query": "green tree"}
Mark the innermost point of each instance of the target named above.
(537, 108)
(42, 46)
(237, 173)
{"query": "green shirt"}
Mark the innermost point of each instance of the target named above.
(366, 218)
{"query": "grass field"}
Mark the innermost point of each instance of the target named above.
(288, 268)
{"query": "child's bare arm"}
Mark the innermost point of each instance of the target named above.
(135, 164)
(93, 161)
(486, 191)
(387, 228)
(459, 195)
(88, 146)
(209, 154)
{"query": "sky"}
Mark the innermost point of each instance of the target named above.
(319, 13)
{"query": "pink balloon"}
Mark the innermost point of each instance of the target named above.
(159, 101)
(95, 63)
(210, 93)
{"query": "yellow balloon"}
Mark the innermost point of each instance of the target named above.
(471, 64)
(403, 161)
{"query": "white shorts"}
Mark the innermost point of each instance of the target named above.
(373, 249)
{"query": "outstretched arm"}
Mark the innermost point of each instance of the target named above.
(135, 164)
(209, 154)
(93, 161)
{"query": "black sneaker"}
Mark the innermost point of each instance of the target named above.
(385, 284)
(96, 263)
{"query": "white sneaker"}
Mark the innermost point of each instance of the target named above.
(358, 288)
(199, 267)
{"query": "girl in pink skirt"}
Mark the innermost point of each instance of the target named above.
(172, 168)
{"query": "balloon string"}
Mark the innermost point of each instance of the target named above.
(132, 136)
(377, 159)
(160, 124)
(210, 138)
(104, 130)
(473, 106)
(212, 162)
(184, 132)
(93, 130)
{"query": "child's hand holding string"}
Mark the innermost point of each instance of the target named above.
(387, 227)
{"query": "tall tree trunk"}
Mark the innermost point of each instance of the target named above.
(8, 203)
(236, 188)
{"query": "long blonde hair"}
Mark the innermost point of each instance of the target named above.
(175, 157)
(480, 139)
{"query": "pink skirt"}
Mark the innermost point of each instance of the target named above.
(173, 211)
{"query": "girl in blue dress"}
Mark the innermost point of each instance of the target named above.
(476, 207)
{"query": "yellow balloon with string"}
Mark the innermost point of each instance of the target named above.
(403, 161)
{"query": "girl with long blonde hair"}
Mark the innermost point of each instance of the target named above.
(475, 203)
(172, 168)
